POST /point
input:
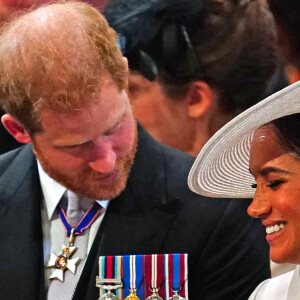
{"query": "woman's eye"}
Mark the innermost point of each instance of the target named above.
(274, 184)
(254, 185)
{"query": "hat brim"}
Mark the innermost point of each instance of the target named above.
(222, 167)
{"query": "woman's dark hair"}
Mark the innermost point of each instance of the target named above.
(228, 44)
(287, 130)
(286, 13)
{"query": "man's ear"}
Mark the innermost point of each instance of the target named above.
(199, 99)
(15, 129)
(126, 63)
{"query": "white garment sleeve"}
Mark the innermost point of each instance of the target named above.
(259, 291)
(273, 289)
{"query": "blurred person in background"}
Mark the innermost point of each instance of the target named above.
(286, 14)
(195, 64)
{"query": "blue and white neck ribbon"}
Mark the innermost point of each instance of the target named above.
(86, 221)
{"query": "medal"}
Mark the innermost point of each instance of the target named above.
(110, 274)
(155, 295)
(132, 295)
(63, 262)
(154, 276)
(133, 277)
(176, 296)
(109, 295)
(176, 276)
(146, 277)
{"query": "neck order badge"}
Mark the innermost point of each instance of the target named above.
(144, 277)
(63, 262)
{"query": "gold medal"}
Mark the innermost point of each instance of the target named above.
(132, 295)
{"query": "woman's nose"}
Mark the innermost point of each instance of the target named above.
(260, 206)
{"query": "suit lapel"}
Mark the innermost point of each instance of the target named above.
(136, 222)
(139, 218)
(20, 198)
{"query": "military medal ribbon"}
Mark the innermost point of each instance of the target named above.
(133, 275)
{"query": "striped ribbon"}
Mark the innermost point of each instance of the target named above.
(164, 271)
(133, 274)
(176, 273)
(154, 274)
(110, 267)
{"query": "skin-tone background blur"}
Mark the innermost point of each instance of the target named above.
(8, 7)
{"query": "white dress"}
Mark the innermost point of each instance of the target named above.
(283, 287)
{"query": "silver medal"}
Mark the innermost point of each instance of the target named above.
(176, 296)
(109, 295)
(155, 295)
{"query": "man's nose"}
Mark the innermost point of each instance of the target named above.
(260, 206)
(104, 158)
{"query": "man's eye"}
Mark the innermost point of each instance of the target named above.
(71, 147)
(275, 184)
(113, 129)
(254, 185)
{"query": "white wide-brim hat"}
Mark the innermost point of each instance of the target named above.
(221, 169)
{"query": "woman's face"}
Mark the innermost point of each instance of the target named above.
(277, 197)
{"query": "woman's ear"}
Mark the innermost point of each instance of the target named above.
(199, 99)
(15, 129)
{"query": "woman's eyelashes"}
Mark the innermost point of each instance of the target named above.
(254, 185)
(275, 183)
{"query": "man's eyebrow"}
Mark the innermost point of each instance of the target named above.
(268, 170)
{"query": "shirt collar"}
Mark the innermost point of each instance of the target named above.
(53, 191)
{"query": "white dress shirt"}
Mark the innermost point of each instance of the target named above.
(53, 229)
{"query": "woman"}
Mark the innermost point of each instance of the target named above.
(264, 140)
(195, 64)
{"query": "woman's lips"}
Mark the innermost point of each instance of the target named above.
(275, 230)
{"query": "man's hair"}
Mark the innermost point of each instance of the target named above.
(56, 57)
(229, 44)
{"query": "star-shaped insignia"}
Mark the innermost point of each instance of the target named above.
(63, 262)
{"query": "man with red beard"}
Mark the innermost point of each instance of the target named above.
(63, 90)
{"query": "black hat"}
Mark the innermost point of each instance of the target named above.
(152, 30)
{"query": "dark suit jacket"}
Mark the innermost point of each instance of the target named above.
(156, 213)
